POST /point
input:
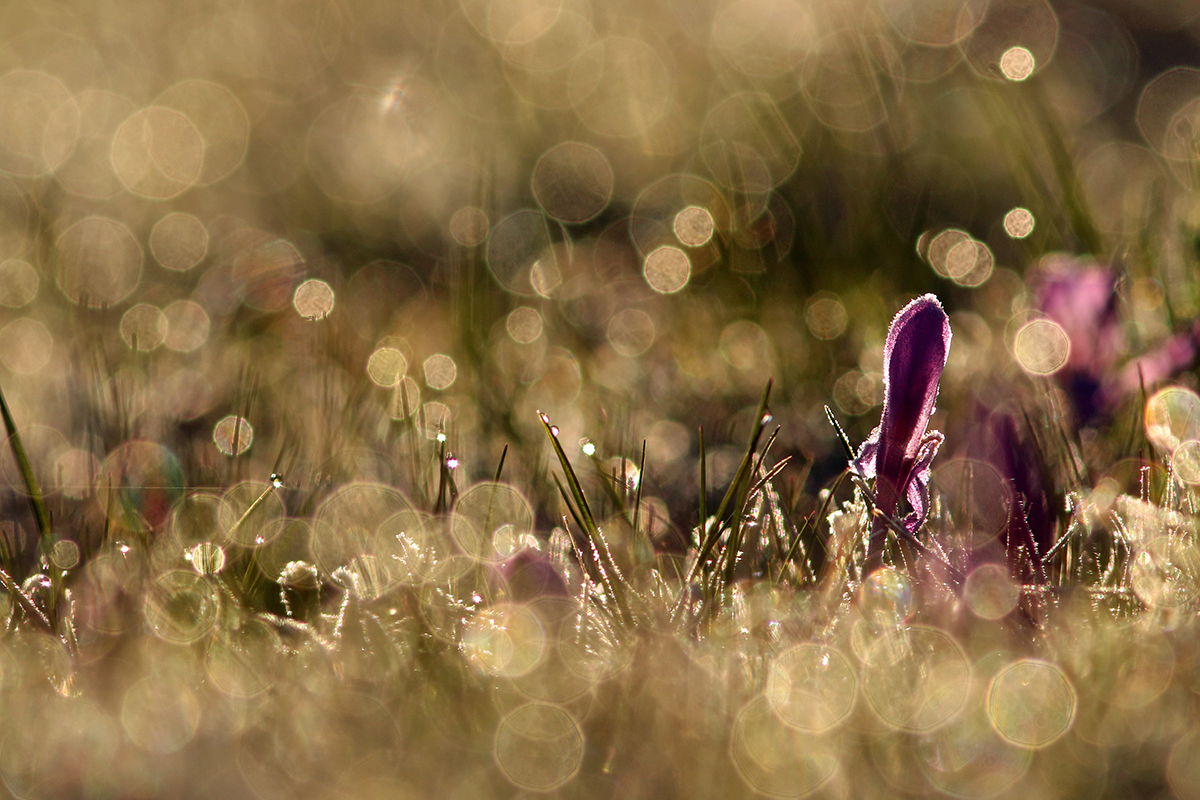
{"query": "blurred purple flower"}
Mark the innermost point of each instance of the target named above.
(899, 451)
(1082, 298)
(1031, 524)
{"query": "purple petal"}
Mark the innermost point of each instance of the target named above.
(913, 358)
(864, 463)
(917, 490)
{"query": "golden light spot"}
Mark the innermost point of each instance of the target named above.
(1186, 462)
(1031, 703)
(38, 123)
(187, 325)
(88, 170)
(406, 398)
(990, 593)
(1017, 63)
(1172, 417)
(694, 226)
(631, 332)
(158, 153)
(143, 327)
(387, 366)
(313, 299)
(745, 346)
(969, 263)
(469, 226)
(825, 315)
(207, 558)
(179, 241)
(1018, 223)
(940, 247)
(440, 371)
(64, 554)
(524, 324)
(572, 182)
(667, 270)
(25, 345)
(545, 275)
(18, 283)
(99, 262)
(538, 747)
(1041, 347)
(233, 435)
(218, 117)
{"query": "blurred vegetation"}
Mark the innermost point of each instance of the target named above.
(434, 399)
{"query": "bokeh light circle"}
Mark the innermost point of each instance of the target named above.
(233, 435)
(572, 182)
(18, 283)
(1017, 63)
(1031, 703)
(812, 687)
(1041, 347)
(99, 262)
(524, 324)
(1185, 461)
(143, 327)
(313, 299)
(25, 345)
(1172, 417)
(990, 593)
(667, 270)
(1018, 223)
(539, 747)
(915, 679)
(158, 153)
(775, 760)
(179, 241)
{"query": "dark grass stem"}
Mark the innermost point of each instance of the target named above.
(41, 516)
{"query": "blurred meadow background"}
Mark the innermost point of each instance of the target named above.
(432, 399)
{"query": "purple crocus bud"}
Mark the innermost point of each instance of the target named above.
(899, 451)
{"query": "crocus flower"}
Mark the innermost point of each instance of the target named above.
(899, 451)
(1082, 298)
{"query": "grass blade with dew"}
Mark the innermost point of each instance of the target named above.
(586, 519)
(743, 471)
